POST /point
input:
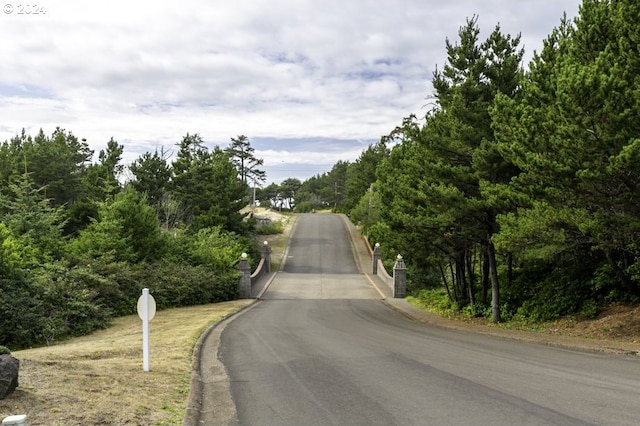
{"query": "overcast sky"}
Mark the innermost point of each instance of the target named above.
(309, 82)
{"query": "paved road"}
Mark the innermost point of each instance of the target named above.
(322, 349)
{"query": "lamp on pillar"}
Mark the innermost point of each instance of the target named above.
(266, 254)
(377, 255)
(245, 277)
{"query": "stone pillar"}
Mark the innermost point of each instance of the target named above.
(399, 279)
(266, 254)
(377, 255)
(245, 277)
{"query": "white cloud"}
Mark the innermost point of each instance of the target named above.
(148, 72)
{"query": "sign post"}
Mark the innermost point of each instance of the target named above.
(146, 311)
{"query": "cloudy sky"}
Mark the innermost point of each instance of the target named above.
(310, 82)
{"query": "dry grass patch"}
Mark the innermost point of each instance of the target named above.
(277, 242)
(98, 379)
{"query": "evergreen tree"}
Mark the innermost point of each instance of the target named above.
(207, 184)
(58, 163)
(152, 175)
(445, 192)
(126, 229)
(101, 179)
(362, 173)
(242, 155)
(309, 193)
(30, 217)
(574, 136)
(288, 190)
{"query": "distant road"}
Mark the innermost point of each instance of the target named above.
(322, 349)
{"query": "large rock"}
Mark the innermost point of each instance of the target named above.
(9, 368)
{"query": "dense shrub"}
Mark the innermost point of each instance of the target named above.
(49, 306)
(304, 207)
(172, 282)
(115, 283)
(421, 278)
(176, 284)
(546, 293)
(72, 308)
(22, 313)
(127, 229)
(435, 300)
(217, 249)
(273, 228)
(56, 302)
(16, 255)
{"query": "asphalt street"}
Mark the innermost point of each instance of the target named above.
(321, 348)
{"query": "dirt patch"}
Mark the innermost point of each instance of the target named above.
(617, 322)
(277, 242)
(615, 330)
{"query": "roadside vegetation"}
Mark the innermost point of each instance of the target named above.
(615, 327)
(517, 193)
(77, 244)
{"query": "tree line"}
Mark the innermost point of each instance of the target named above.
(77, 244)
(518, 194)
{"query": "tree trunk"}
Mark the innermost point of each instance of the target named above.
(462, 278)
(485, 276)
(495, 288)
(471, 283)
(446, 284)
(454, 284)
(510, 270)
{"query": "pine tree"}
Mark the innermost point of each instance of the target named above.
(152, 175)
(206, 183)
(574, 137)
(242, 155)
(464, 156)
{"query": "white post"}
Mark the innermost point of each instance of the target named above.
(145, 329)
(17, 420)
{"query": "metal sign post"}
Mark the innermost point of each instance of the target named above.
(146, 311)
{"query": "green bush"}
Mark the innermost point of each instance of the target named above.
(172, 282)
(435, 300)
(304, 207)
(589, 309)
(4, 350)
(545, 292)
(273, 228)
(175, 284)
(49, 302)
(47, 306)
(218, 249)
(115, 284)
(127, 229)
(16, 254)
(73, 308)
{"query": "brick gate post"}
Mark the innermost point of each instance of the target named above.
(245, 277)
(377, 255)
(266, 254)
(399, 278)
